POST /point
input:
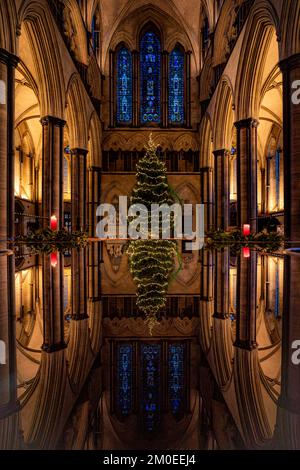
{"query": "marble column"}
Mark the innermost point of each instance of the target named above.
(52, 170)
(291, 146)
(8, 395)
(79, 188)
(221, 189)
(246, 302)
(247, 172)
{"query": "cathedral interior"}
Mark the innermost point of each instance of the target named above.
(83, 84)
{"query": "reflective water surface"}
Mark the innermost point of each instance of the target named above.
(216, 372)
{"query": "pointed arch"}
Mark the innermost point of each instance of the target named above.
(95, 153)
(223, 127)
(206, 139)
(76, 113)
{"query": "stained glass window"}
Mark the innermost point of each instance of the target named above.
(124, 86)
(125, 375)
(150, 365)
(150, 78)
(176, 353)
(176, 87)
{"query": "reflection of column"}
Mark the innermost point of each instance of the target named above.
(247, 172)
(291, 148)
(135, 88)
(53, 304)
(164, 88)
(290, 376)
(52, 176)
(206, 297)
(221, 287)
(188, 88)
(206, 196)
(79, 284)
(221, 189)
(246, 302)
(78, 188)
(8, 396)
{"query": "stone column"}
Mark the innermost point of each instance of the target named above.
(246, 302)
(8, 395)
(78, 188)
(52, 175)
(164, 88)
(111, 88)
(291, 146)
(53, 303)
(221, 189)
(206, 196)
(247, 172)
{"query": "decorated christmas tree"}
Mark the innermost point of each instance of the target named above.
(152, 261)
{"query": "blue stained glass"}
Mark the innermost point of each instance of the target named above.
(150, 78)
(125, 370)
(150, 363)
(176, 87)
(176, 377)
(124, 86)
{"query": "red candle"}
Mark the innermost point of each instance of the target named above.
(53, 259)
(246, 229)
(246, 252)
(53, 222)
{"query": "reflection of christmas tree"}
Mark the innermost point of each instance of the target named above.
(151, 261)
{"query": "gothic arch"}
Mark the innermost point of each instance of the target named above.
(73, 19)
(223, 126)
(76, 113)
(206, 159)
(290, 26)
(8, 15)
(261, 25)
(95, 154)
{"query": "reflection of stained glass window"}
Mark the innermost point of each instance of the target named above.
(176, 86)
(125, 370)
(176, 377)
(150, 364)
(150, 78)
(124, 86)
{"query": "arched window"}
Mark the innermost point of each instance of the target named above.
(124, 86)
(176, 86)
(150, 78)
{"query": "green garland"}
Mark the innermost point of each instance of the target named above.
(48, 241)
(152, 262)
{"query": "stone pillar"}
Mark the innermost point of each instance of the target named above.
(246, 302)
(52, 175)
(221, 286)
(221, 189)
(164, 88)
(78, 188)
(188, 96)
(94, 195)
(135, 87)
(247, 172)
(8, 395)
(206, 196)
(291, 147)
(53, 303)
(111, 88)
(79, 284)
